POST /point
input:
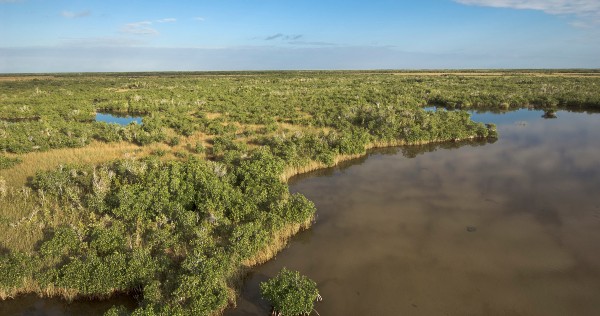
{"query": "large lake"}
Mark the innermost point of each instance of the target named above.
(506, 228)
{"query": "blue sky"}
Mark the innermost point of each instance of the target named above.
(67, 36)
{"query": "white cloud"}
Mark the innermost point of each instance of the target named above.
(167, 20)
(75, 15)
(199, 18)
(139, 28)
(588, 10)
(285, 37)
(144, 27)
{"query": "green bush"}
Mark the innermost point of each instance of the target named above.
(159, 152)
(6, 162)
(199, 148)
(290, 293)
(65, 242)
(15, 268)
(173, 141)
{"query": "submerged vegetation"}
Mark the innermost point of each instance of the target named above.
(176, 208)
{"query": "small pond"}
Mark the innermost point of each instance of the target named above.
(117, 119)
(504, 228)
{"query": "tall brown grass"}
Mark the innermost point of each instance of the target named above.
(95, 153)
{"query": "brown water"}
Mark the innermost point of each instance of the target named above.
(504, 228)
(509, 228)
(31, 305)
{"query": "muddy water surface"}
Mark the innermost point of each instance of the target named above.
(32, 305)
(504, 228)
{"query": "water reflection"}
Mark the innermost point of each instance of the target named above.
(117, 119)
(509, 228)
(406, 151)
(514, 117)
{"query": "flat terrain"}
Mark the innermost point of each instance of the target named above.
(176, 207)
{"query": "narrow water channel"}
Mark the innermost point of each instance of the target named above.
(507, 228)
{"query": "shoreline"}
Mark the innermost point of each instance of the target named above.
(270, 251)
(279, 238)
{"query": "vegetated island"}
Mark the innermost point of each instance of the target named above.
(177, 208)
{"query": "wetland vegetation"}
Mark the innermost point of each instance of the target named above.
(176, 209)
(500, 228)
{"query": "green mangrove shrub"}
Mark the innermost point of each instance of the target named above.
(7, 162)
(290, 293)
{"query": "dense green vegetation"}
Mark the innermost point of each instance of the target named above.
(290, 293)
(59, 112)
(176, 232)
(6, 162)
(179, 223)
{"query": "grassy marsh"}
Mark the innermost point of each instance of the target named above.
(176, 207)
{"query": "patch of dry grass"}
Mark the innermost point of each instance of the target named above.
(212, 116)
(278, 241)
(19, 225)
(95, 153)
